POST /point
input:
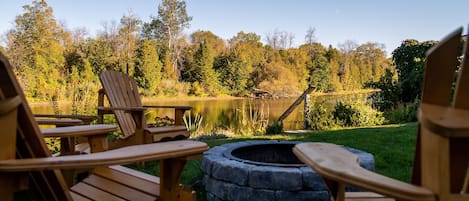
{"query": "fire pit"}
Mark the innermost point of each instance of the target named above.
(263, 170)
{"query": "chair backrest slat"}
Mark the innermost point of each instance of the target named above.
(440, 65)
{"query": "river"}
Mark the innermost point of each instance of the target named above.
(218, 115)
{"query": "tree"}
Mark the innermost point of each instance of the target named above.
(249, 49)
(148, 67)
(310, 36)
(167, 26)
(319, 73)
(129, 30)
(280, 40)
(216, 43)
(207, 77)
(409, 59)
(233, 74)
(36, 51)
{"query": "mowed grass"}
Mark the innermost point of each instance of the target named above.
(392, 147)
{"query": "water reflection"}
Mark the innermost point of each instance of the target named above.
(220, 115)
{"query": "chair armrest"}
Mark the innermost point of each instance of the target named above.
(169, 106)
(127, 109)
(125, 155)
(59, 122)
(178, 112)
(335, 163)
(84, 118)
(79, 131)
(445, 121)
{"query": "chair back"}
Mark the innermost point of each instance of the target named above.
(19, 127)
(441, 159)
(122, 91)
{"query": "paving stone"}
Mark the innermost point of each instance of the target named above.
(311, 180)
(302, 196)
(231, 170)
(277, 178)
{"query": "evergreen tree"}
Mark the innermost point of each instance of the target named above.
(233, 74)
(204, 63)
(148, 68)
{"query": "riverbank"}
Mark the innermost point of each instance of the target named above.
(193, 98)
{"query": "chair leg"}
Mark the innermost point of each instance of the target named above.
(336, 189)
(170, 172)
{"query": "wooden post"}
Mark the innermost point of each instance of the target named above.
(306, 111)
(295, 104)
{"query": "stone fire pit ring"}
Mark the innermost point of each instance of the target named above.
(229, 176)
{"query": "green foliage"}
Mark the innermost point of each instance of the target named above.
(358, 113)
(344, 114)
(204, 64)
(274, 128)
(49, 60)
(248, 121)
(389, 95)
(193, 123)
(53, 144)
(163, 121)
(319, 116)
(233, 74)
(352, 113)
(403, 113)
(148, 68)
(167, 26)
(35, 50)
(409, 58)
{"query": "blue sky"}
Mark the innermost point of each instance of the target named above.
(388, 22)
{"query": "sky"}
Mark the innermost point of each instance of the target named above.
(335, 21)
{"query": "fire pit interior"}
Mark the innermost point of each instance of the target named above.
(273, 154)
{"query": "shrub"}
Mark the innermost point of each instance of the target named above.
(344, 114)
(319, 116)
(403, 113)
(357, 113)
(275, 128)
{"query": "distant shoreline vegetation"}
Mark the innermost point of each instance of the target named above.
(54, 63)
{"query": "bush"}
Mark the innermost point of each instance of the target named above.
(319, 116)
(403, 113)
(344, 113)
(355, 112)
(274, 128)
(358, 113)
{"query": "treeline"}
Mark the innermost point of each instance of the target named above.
(53, 62)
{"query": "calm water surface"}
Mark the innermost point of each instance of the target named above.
(218, 114)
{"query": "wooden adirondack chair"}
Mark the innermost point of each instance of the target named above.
(441, 160)
(122, 94)
(26, 163)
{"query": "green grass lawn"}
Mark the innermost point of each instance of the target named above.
(392, 147)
